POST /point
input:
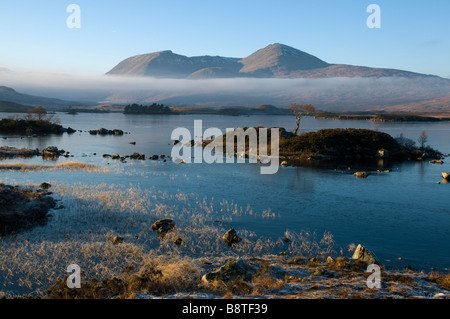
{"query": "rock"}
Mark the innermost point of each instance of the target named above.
(232, 270)
(361, 253)
(106, 155)
(284, 163)
(45, 185)
(154, 157)
(115, 156)
(436, 162)
(361, 174)
(118, 132)
(70, 130)
(230, 238)
(175, 142)
(163, 226)
(133, 143)
(103, 131)
(330, 260)
(52, 152)
(117, 240)
(178, 241)
(137, 156)
(446, 175)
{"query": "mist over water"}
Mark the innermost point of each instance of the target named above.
(325, 93)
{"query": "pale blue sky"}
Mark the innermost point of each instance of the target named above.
(414, 35)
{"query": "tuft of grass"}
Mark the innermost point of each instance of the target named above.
(441, 279)
(61, 166)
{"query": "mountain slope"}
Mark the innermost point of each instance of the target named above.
(274, 61)
(170, 65)
(278, 60)
(10, 95)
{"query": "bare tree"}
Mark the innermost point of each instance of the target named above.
(40, 112)
(423, 138)
(299, 111)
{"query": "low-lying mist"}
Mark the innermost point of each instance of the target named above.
(325, 93)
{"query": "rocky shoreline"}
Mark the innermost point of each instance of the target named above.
(22, 208)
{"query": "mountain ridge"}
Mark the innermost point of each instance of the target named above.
(273, 61)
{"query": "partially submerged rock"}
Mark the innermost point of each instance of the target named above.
(45, 185)
(230, 238)
(446, 175)
(361, 174)
(363, 254)
(104, 131)
(22, 208)
(117, 240)
(52, 152)
(163, 226)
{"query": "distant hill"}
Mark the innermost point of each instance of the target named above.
(274, 61)
(232, 110)
(10, 95)
(11, 107)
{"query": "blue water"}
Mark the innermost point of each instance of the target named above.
(404, 213)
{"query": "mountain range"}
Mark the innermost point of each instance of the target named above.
(274, 61)
(275, 75)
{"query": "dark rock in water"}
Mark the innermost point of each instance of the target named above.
(175, 142)
(45, 185)
(230, 238)
(361, 174)
(154, 157)
(22, 208)
(363, 254)
(178, 241)
(115, 156)
(137, 156)
(70, 130)
(106, 155)
(117, 132)
(163, 226)
(232, 270)
(52, 152)
(133, 143)
(104, 131)
(117, 240)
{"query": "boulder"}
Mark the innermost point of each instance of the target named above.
(103, 131)
(363, 254)
(52, 152)
(118, 132)
(137, 156)
(163, 226)
(230, 238)
(45, 185)
(361, 174)
(117, 240)
(446, 175)
(284, 163)
(232, 270)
